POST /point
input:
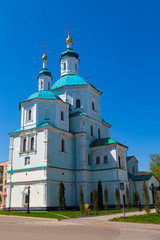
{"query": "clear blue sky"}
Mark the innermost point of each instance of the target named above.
(119, 47)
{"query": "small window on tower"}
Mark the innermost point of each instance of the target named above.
(49, 86)
(91, 130)
(41, 84)
(97, 160)
(29, 115)
(65, 66)
(133, 170)
(99, 133)
(62, 115)
(62, 145)
(78, 103)
(93, 106)
(24, 145)
(32, 143)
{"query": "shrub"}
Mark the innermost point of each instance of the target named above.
(100, 196)
(81, 204)
(117, 197)
(95, 201)
(106, 198)
(146, 198)
(61, 196)
(127, 196)
(156, 199)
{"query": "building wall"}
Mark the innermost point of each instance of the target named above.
(3, 180)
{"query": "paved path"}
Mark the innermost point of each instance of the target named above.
(85, 228)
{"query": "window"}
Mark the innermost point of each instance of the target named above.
(26, 198)
(91, 130)
(78, 103)
(30, 114)
(105, 159)
(119, 161)
(49, 86)
(89, 159)
(76, 67)
(99, 133)
(97, 160)
(62, 145)
(133, 170)
(41, 84)
(62, 115)
(65, 66)
(24, 145)
(27, 161)
(93, 106)
(32, 143)
(91, 197)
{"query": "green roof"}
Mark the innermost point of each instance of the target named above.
(69, 80)
(104, 141)
(77, 114)
(44, 72)
(40, 125)
(69, 53)
(44, 95)
(140, 177)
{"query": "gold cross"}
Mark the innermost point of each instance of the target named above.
(44, 47)
(69, 26)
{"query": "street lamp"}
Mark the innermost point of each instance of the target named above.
(28, 198)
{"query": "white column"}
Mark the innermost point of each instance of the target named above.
(46, 147)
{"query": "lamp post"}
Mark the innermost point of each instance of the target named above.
(28, 199)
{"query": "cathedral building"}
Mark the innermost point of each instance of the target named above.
(64, 137)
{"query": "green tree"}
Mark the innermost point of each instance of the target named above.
(135, 198)
(117, 197)
(155, 165)
(95, 201)
(106, 198)
(81, 205)
(156, 199)
(61, 196)
(145, 197)
(127, 196)
(100, 196)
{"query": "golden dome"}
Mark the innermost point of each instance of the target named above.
(44, 57)
(69, 39)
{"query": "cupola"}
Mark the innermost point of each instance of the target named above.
(69, 59)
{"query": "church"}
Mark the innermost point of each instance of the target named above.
(64, 137)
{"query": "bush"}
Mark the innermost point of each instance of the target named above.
(127, 196)
(146, 198)
(95, 201)
(100, 196)
(61, 196)
(81, 203)
(106, 198)
(135, 198)
(117, 197)
(156, 199)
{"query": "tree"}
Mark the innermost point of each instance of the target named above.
(95, 201)
(117, 197)
(106, 198)
(145, 197)
(81, 204)
(156, 199)
(155, 165)
(100, 196)
(61, 196)
(127, 196)
(135, 198)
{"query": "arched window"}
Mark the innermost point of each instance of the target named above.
(24, 145)
(26, 198)
(119, 161)
(97, 160)
(62, 115)
(89, 159)
(32, 143)
(99, 133)
(133, 170)
(105, 159)
(41, 84)
(91, 197)
(78, 103)
(93, 106)
(29, 115)
(62, 146)
(91, 130)
(64, 65)
(49, 86)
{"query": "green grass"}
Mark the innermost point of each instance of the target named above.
(60, 214)
(146, 218)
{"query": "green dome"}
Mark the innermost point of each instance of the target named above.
(43, 95)
(44, 72)
(69, 80)
(69, 53)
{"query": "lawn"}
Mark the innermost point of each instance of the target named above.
(60, 215)
(146, 218)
